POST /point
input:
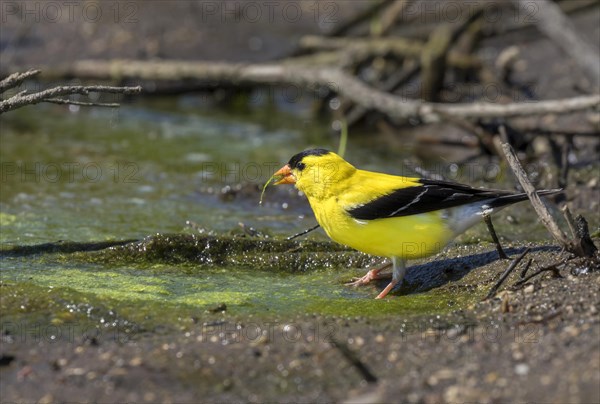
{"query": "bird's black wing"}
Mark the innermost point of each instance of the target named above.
(431, 195)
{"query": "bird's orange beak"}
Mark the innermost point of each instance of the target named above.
(285, 175)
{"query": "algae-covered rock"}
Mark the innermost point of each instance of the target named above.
(256, 253)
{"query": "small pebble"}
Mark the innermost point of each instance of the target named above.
(74, 371)
(522, 369)
(137, 361)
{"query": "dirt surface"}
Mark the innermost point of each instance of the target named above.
(35, 33)
(534, 342)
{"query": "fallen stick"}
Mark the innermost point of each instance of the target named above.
(15, 79)
(338, 81)
(361, 17)
(541, 209)
(488, 222)
(525, 269)
(303, 232)
(354, 360)
(392, 15)
(551, 267)
(400, 47)
(22, 99)
(507, 272)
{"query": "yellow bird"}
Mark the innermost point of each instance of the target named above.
(401, 218)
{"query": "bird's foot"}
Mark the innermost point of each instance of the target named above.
(372, 275)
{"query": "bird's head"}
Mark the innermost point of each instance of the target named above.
(314, 172)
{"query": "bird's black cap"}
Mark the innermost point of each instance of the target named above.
(296, 159)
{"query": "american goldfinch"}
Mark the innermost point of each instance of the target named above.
(401, 218)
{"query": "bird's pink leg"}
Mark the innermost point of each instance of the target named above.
(372, 275)
(397, 276)
(387, 289)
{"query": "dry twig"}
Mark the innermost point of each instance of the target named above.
(541, 209)
(302, 233)
(399, 47)
(552, 267)
(488, 222)
(525, 269)
(336, 80)
(503, 277)
(581, 244)
(392, 14)
(361, 17)
(22, 99)
(354, 360)
(16, 79)
(82, 103)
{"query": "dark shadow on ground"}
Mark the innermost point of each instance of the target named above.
(59, 247)
(423, 277)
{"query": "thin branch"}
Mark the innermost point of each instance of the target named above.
(354, 360)
(392, 15)
(400, 47)
(313, 78)
(570, 221)
(360, 18)
(84, 104)
(492, 110)
(507, 272)
(15, 79)
(488, 222)
(21, 99)
(525, 269)
(302, 233)
(541, 209)
(551, 267)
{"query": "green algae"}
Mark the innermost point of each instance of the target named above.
(200, 252)
(177, 280)
(112, 276)
(175, 300)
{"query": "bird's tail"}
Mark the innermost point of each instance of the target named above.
(468, 215)
(506, 200)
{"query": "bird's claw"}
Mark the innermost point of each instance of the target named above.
(358, 281)
(372, 275)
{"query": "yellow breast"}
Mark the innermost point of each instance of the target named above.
(407, 237)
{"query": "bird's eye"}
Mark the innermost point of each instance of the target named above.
(300, 166)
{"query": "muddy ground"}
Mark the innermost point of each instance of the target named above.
(536, 342)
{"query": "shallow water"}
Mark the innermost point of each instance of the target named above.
(102, 174)
(148, 168)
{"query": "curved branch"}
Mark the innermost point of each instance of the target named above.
(338, 81)
(22, 99)
(15, 79)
